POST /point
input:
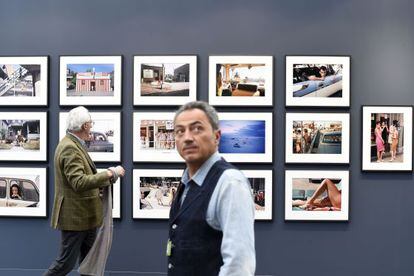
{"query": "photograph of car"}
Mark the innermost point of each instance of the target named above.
(23, 192)
(18, 192)
(317, 137)
(99, 142)
(317, 81)
(104, 143)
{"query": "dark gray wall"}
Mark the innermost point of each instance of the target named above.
(379, 37)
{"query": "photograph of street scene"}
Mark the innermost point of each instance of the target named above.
(157, 192)
(165, 79)
(316, 194)
(19, 135)
(242, 136)
(157, 135)
(20, 80)
(317, 137)
(102, 136)
(240, 79)
(257, 185)
(19, 190)
(90, 80)
(386, 134)
(317, 80)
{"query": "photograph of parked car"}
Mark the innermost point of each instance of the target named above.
(153, 136)
(387, 138)
(316, 195)
(23, 136)
(234, 80)
(23, 192)
(317, 138)
(104, 142)
(164, 80)
(246, 137)
(90, 80)
(24, 80)
(317, 81)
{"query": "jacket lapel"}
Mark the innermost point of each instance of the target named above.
(85, 153)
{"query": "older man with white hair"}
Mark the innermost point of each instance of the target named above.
(77, 209)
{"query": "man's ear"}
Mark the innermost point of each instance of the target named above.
(217, 135)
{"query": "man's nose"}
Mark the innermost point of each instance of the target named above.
(188, 135)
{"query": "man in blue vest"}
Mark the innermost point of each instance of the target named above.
(211, 226)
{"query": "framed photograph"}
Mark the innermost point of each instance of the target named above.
(154, 139)
(317, 138)
(24, 80)
(23, 192)
(261, 187)
(246, 137)
(23, 136)
(90, 80)
(153, 191)
(116, 197)
(165, 80)
(317, 195)
(105, 143)
(318, 81)
(241, 80)
(387, 136)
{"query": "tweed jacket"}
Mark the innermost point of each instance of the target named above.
(77, 205)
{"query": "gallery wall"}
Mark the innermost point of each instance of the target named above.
(378, 35)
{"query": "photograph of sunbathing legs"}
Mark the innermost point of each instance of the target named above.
(310, 194)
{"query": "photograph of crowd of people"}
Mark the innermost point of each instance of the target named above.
(165, 79)
(317, 137)
(240, 79)
(19, 135)
(157, 135)
(90, 80)
(309, 194)
(242, 136)
(386, 137)
(157, 192)
(317, 80)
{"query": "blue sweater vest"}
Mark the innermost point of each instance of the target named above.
(195, 244)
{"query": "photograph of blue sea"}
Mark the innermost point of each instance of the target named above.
(242, 136)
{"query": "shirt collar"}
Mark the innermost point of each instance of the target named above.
(201, 173)
(83, 143)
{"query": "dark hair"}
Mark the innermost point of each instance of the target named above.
(203, 106)
(323, 67)
(395, 123)
(378, 122)
(17, 186)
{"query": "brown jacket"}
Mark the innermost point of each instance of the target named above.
(77, 205)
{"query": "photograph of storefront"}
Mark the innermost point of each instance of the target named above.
(165, 79)
(387, 137)
(157, 134)
(19, 80)
(19, 135)
(90, 80)
(257, 185)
